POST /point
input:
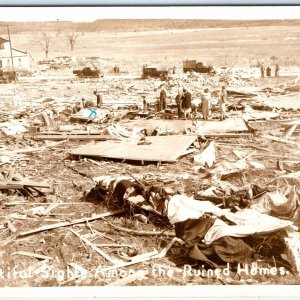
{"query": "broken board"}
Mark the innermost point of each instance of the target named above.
(226, 126)
(162, 149)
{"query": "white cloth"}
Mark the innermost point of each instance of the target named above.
(247, 222)
(182, 208)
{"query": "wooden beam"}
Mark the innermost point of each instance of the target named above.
(226, 135)
(280, 140)
(80, 137)
(94, 247)
(291, 131)
(74, 222)
(35, 255)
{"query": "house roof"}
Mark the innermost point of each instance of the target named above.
(2, 40)
(24, 52)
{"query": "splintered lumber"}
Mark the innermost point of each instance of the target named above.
(168, 247)
(35, 255)
(227, 135)
(74, 222)
(290, 132)
(143, 233)
(94, 247)
(280, 140)
(160, 148)
(144, 257)
(21, 184)
(80, 137)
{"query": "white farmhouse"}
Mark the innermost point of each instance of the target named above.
(21, 58)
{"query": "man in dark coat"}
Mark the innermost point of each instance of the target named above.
(178, 101)
(276, 70)
(186, 104)
(162, 99)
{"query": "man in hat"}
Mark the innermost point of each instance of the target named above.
(276, 70)
(99, 98)
(162, 99)
(178, 101)
(205, 100)
(262, 71)
(186, 104)
(222, 102)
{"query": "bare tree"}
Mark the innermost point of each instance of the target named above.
(43, 40)
(72, 37)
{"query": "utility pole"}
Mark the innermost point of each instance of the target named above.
(11, 53)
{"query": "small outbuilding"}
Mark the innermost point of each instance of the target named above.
(21, 59)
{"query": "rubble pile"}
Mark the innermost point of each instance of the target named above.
(128, 185)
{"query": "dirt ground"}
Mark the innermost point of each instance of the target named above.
(70, 178)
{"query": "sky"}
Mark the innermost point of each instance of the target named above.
(88, 14)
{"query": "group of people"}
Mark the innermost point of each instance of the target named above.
(268, 71)
(186, 107)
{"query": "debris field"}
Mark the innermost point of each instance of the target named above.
(128, 194)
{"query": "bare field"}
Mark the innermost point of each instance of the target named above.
(223, 46)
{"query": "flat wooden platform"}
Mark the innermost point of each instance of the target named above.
(162, 149)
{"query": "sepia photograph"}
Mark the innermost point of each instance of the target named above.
(149, 146)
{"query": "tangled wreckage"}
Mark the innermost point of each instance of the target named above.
(99, 189)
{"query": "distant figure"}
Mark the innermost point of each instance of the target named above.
(205, 99)
(178, 101)
(186, 104)
(222, 102)
(99, 98)
(162, 100)
(262, 71)
(276, 70)
(145, 104)
(116, 69)
(174, 70)
(268, 71)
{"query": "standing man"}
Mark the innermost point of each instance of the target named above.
(178, 101)
(205, 99)
(162, 99)
(186, 104)
(222, 102)
(99, 98)
(262, 71)
(268, 71)
(145, 104)
(276, 70)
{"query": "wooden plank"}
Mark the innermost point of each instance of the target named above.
(160, 148)
(143, 258)
(80, 137)
(35, 255)
(21, 184)
(229, 125)
(74, 222)
(227, 135)
(94, 247)
(280, 140)
(290, 132)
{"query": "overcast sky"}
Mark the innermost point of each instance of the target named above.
(87, 14)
